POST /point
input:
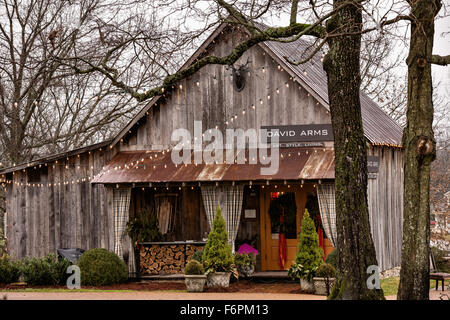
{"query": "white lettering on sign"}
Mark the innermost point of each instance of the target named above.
(278, 133)
(300, 133)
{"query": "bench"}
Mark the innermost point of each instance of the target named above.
(435, 275)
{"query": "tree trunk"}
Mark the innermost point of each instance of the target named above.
(356, 251)
(420, 151)
(2, 219)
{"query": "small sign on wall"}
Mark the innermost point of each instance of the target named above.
(250, 213)
(373, 165)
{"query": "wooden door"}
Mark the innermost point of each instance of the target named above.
(292, 194)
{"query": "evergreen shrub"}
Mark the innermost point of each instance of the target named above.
(10, 271)
(100, 267)
(194, 267)
(48, 270)
(326, 270)
(309, 255)
(217, 254)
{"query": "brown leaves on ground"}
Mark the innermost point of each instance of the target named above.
(156, 285)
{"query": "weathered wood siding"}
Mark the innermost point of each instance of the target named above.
(41, 219)
(214, 101)
(385, 199)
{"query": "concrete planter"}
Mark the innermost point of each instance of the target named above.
(218, 279)
(306, 285)
(195, 283)
(320, 285)
(246, 271)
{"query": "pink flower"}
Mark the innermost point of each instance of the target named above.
(246, 248)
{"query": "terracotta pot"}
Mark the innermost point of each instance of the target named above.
(195, 283)
(218, 279)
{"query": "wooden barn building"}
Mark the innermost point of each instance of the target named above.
(85, 197)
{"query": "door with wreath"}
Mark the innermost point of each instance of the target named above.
(282, 208)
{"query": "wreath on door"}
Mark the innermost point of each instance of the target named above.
(285, 201)
(282, 210)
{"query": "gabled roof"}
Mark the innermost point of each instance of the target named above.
(379, 128)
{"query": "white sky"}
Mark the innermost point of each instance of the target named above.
(442, 47)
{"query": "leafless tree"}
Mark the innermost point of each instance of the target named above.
(44, 106)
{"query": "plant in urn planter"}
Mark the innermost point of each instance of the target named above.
(194, 276)
(309, 255)
(245, 263)
(217, 254)
(324, 279)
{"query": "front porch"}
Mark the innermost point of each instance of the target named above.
(188, 224)
(264, 212)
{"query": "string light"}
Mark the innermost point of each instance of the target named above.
(233, 118)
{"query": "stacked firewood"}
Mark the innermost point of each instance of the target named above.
(165, 259)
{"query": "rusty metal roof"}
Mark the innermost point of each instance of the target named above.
(157, 166)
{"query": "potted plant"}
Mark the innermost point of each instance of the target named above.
(245, 263)
(245, 259)
(144, 227)
(305, 275)
(309, 255)
(194, 276)
(217, 254)
(324, 279)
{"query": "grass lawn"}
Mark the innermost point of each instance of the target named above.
(390, 285)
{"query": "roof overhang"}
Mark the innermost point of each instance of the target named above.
(157, 166)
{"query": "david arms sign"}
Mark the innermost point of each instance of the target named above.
(300, 133)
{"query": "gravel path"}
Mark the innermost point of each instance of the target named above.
(167, 295)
